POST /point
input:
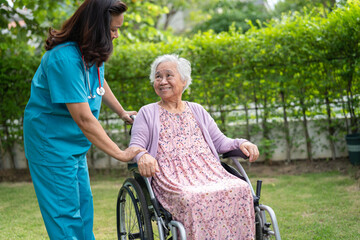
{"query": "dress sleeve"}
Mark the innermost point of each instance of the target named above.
(66, 79)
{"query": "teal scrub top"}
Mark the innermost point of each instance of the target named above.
(51, 136)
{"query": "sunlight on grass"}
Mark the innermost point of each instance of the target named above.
(309, 206)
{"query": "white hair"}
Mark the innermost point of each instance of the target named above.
(183, 67)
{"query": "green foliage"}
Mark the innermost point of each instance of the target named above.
(285, 6)
(237, 13)
(18, 66)
(38, 16)
(299, 67)
(140, 22)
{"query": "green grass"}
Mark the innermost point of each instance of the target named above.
(309, 206)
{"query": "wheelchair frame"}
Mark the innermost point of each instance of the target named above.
(138, 193)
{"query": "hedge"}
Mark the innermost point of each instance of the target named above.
(302, 67)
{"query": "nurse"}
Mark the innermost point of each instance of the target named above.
(61, 117)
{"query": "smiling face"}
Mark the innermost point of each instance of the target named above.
(168, 84)
(116, 22)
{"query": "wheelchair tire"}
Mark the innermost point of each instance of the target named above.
(132, 214)
(259, 234)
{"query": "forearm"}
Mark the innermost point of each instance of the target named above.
(93, 130)
(96, 134)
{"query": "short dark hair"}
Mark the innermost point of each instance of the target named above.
(90, 28)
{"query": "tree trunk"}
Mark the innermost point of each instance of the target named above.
(350, 101)
(306, 130)
(107, 125)
(2, 152)
(256, 107)
(169, 16)
(343, 106)
(331, 129)
(223, 120)
(266, 131)
(286, 128)
(247, 122)
(9, 146)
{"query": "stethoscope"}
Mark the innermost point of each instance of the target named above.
(100, 90)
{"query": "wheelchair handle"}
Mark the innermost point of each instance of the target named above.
(258, 188)
(133, 118)
(235, 153)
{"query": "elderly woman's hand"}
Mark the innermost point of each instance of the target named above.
(148, 165)
(250, 150)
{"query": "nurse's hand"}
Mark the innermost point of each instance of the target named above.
(148, 165)
(129, 153)
(125, 116)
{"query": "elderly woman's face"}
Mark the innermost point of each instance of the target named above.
(168, 84)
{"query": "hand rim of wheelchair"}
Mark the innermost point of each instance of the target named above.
(131, 191)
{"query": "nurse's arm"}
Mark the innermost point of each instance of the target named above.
(110, 100)
(95, 133)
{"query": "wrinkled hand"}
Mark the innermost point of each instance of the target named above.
(130, 153)
(125, 116)
(250, 150)
(148, 165)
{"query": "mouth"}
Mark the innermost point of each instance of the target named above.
(164, 88)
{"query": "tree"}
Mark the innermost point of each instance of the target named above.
(285, 6)
(225, 13)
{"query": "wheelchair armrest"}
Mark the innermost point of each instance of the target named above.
(235, 153)
(132, 166)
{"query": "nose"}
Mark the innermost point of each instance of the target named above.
(163, 80)
(116, 35)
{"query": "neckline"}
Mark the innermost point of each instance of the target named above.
(178, 113)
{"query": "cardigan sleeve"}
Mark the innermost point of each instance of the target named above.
(222, 143)
(140, 135)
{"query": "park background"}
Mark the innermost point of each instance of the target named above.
(284, 75)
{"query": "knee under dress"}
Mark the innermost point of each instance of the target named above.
(194, 187)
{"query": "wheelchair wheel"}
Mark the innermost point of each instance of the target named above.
(258, 227)
(132, 215)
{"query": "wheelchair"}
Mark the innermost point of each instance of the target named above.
(140, 216)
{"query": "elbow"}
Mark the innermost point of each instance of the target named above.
(84, 121)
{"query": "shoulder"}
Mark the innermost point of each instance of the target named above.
(148, 111)
(148, 108)
(146, 115)
(196, 107)
(68, 51)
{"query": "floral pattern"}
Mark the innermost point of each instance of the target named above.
(193, 186)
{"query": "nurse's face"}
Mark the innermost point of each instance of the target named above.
(116, 23)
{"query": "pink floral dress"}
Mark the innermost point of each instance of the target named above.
(194, 187)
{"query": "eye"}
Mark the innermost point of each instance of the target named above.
(115, 30)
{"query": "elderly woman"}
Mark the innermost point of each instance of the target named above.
(183, 143)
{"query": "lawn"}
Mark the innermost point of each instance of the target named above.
(308, 206)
